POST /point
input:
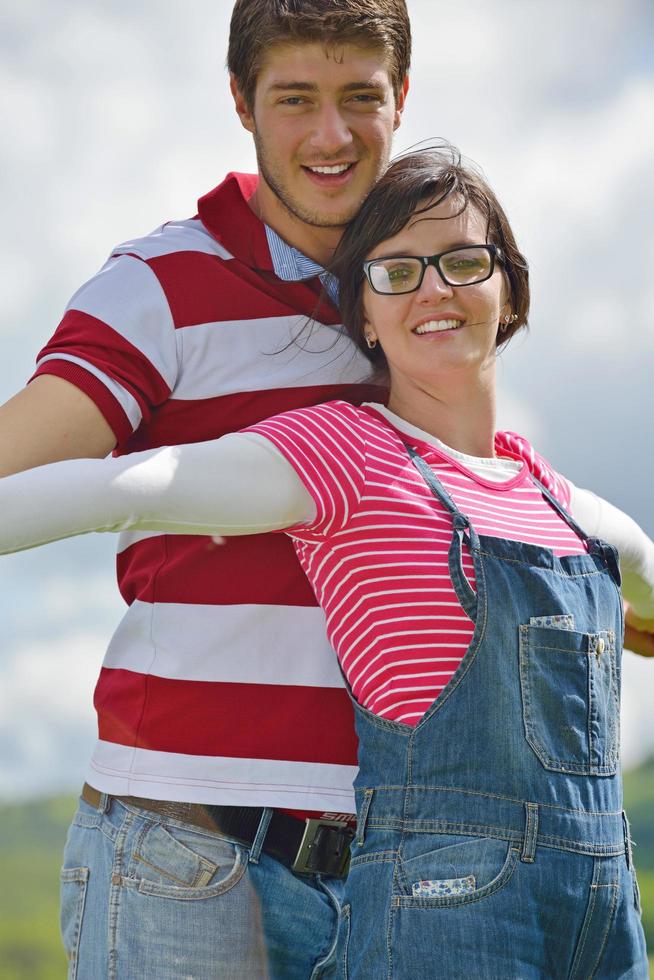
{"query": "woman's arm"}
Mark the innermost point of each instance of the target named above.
(598, 517)
(601, 519)
(239, 484)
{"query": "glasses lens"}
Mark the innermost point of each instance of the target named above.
(466, 265)
(395, 275)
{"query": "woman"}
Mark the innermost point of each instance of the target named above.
(478, 627)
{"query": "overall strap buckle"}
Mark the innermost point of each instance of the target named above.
(324, 848)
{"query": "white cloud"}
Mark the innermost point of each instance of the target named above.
(637, 728)
(62, 598)
(116, 117)
(517, 413)
(47, 721)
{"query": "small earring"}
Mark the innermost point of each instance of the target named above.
(371, 341)
(509, 318)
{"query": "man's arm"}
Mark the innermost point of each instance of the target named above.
(50, 420)
(638, 634)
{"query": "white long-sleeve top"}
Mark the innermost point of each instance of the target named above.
(241, 484)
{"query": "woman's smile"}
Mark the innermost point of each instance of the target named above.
(438, 324)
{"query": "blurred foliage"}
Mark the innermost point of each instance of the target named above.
(639, 804)
(31, 840)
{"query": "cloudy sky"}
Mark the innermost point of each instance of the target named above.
(116, 116)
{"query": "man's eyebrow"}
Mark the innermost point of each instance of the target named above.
(293, 87)
(282, 86)
(368, 83)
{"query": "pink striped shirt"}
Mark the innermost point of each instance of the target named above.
(376, 553)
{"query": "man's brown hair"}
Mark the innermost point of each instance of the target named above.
(257, 25)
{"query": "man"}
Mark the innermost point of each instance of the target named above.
(224, 731)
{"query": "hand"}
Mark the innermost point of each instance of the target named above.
(638, 634)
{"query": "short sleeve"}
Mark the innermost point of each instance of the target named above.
(117, 343)
(326, 447)
(517, 447)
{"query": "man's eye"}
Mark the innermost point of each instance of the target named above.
(293, 100)
(366, 98)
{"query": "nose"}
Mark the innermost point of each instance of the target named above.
(433, 286)
(331, 133)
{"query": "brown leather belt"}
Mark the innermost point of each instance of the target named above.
(307, 846)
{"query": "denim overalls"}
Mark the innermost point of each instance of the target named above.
(491, 839)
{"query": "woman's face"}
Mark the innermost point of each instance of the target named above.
(438, 332)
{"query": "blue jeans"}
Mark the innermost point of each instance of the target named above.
(454, 906)
(145, 897)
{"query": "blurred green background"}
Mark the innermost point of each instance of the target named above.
(31, 841)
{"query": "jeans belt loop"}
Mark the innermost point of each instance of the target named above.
(362, 819)
(531, 833)
(257, 843)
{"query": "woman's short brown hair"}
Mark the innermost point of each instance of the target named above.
(416, 181)
(256, 25)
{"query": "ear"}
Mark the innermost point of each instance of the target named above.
(245, 114)
(399, 108)
(367, 329)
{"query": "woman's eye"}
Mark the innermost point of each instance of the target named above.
(398, 272)
(463, 265)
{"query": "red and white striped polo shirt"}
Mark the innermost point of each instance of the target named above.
(377, 551)
(219, 685)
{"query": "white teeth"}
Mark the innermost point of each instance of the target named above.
(437, 326)
(340, 168)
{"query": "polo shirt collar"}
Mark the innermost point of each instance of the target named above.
(225, 212)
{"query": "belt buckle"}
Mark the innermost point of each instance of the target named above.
(337, 861)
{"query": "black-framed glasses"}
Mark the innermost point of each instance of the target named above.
(456, 267)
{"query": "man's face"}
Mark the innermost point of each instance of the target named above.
(322, 122)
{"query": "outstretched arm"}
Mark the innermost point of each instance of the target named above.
(638, 634)
(598, 517)
(239, 484)
(48, 420)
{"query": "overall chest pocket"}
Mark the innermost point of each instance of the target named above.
(570, 698)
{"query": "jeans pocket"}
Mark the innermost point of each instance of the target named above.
(570, 699)
(170, 861)
(73, 883)
(459, 871)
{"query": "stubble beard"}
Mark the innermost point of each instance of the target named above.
(292, 205)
